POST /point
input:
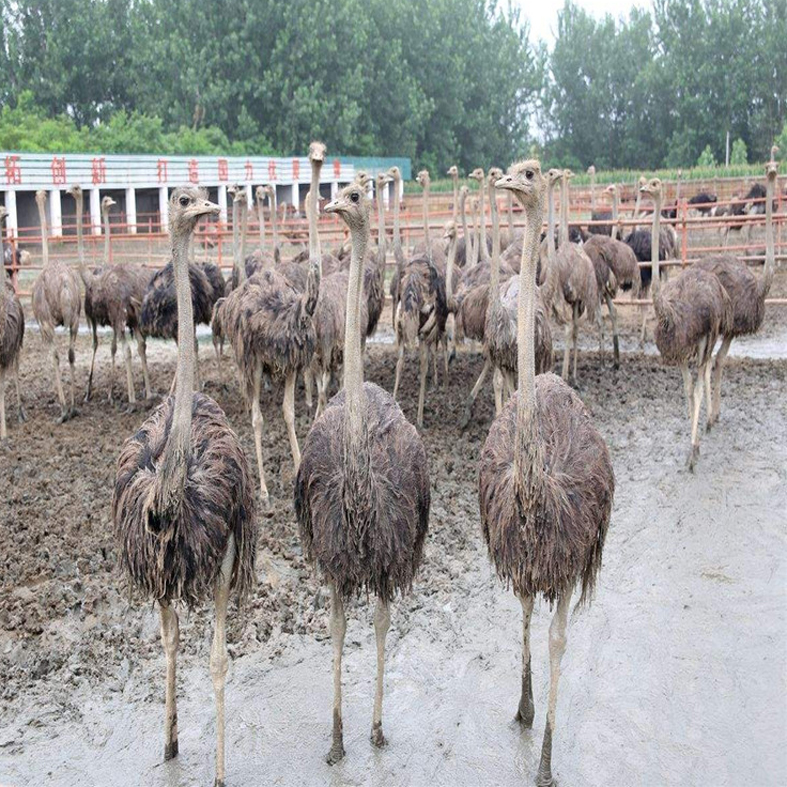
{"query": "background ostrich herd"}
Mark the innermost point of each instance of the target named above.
(185, 505)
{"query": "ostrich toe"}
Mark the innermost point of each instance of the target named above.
(377, 737)
(336, 754)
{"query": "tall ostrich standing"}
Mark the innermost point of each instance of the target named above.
(114, 294)
(746, 290)
(545, 480)
(692, 311)
(183, 504)
(362, 491)
(12, 333)
(56, 301)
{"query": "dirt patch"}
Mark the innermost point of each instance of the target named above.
(673, 675)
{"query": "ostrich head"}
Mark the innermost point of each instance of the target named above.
(187, 205)
(477, 174)
(41, 198)
(774, 151)
(568, 174)
(75, 191)
(395, 174)
(106, 204)
(317, 152)
(449, 232)
(453, 172)
(382, 179)
(771, 169)
(238, 193)
(612, 188)
(259, 194)
(642, 181)
(525, 180)
(591, 170)
(362, 178)
(554, 175)
(352, 205)
(650, 187)
(269, 190)
(423, 178)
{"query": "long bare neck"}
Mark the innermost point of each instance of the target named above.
(494, 279)
(476, 241)
(564, 211)
(677, 191)
(482, 229)
(551, 221)
(510, 208)
(381, 240)
(274, 220)
(637, 206)
(397, 238)
(526, 310)
(770, 256)
(467, 237)
(449, 270)
(83, 272)
(107, 238)
(261, 216)
(426, 220)
(456, 195)
(44, 234)
(614, 213)
(314, 236)
(353, 363)
(178, 445)
(592, 192)
(655, 238)
(244, 227)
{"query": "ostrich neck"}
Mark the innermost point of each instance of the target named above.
(468, 239)
(274, 218)
(397, 240)
(83, 272)
(637, 206)
(564, 211)
(449, 271)
(178, 447)
(476, 241)
(426, 221)
(482, 228)
(44, 237)
(551, 222)
(766, 279)
(526, 361)
(353, 364)
(592, 192)
(494, 279)
(107, 239)
(244, 226)
(381, 239)
(314, 236)
(654, 253)
(261, 215)
(510, 208)
(614, 214)
(456, 195)
(240, 270)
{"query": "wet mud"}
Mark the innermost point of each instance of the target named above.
(674, 674)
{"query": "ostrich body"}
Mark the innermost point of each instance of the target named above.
(56, 301)
(703, 203)
(362, 491)
(183, 504)
(12, 333)
(692, 311)
(746, 290)
(545, 481)
(616, 267)
(113, 297)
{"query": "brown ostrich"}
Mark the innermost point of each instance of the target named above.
(616, 267)
(362, 491)
(545, 481)
(183, 504)
(56, 301)
(692, 311)
(576, 292)
(114, 294)
(12, 332)
(746, 290)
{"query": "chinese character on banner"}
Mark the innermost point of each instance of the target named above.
(13, 172)
(223, 169)
(58, 170)
(271, 170)
(193, 171)
(248, 170)
(98, 170)
(296, 169)
(161, 170)
(337, 168)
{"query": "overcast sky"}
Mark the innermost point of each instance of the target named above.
(543, 14)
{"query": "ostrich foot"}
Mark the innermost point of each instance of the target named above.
(467, 416)
(452, 356)
(171, 750)
(377, 737)
(218, 783)
(132, 407)
(86, 398)
(265, 504)
(21, 415)
(66, 415)
(694, 456)
(525, 714)
(544, 776)
(336, 754)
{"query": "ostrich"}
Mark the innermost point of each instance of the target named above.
(432, 249)
(362, 491)
(546, 482)
(13, 257)
(56, 301)
(374, 269)
(703, 203)
(113, 297)
(482, 250)
(453, 173)
(616, 267)
(612, 228)
(746, 290)
(12, 332)
(183, 505)
(396, 176)
(692, 311)
(576, 279)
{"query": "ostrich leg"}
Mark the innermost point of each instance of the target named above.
(497, 385)
(688, 388)
(113, 348)
(308, 386)
(72, 339)
(613, 315)
(288, 408)
(399, 365)
(3, 433)
(468, 413)
(694, 455)
(557, 647)
(338, 629)
(382, 622)
(566, 351)
(574, 332)
(142, 351)
(424, 351)
(126, 350)
(218, 348)
(218, 653)
(170, 637)
(526, 710)
(256, 422)
(89, 391)
(20, 410)
(708, 406)
(718, 368)
(58, 382)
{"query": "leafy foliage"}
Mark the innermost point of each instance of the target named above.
(739, 154)
(706, 158)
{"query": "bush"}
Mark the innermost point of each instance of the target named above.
(706, 158)
(740, 154)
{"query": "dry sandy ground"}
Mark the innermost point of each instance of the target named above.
(674, 675)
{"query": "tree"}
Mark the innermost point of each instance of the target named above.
(706, 158)
(739, 153)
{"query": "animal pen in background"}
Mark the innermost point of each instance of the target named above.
(708, 216)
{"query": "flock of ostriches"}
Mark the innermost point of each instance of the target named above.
(184, 498)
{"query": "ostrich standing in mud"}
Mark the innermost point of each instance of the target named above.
(362, 491)
(183, 504)
(545, 480)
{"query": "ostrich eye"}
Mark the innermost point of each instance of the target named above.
(529, 174)
(184, 200)
(354, 197)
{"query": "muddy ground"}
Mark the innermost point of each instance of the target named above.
(674, 675)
